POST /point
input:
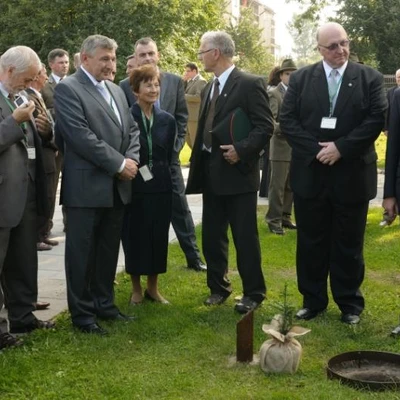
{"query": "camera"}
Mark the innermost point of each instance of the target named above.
(21, 101)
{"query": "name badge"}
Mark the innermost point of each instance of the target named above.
(147, 175)
(328, 123)
(31, 153)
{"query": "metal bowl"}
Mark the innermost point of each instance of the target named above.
(370, 370)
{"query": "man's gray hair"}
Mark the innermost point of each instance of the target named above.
(220, 40)
(93, 42)
(21, 58)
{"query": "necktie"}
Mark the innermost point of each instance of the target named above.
(210, 116)
(108, 98)
(11, 97)
(333, 87)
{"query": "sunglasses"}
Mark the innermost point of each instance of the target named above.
(335, 46)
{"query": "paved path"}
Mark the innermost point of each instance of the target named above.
(51, 263)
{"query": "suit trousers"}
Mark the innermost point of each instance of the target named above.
(91, 257)
(330, 239)
(19, 264)
(280, 196)
(181, 218)
(240, 212)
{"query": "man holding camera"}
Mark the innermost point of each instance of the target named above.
(22, 193)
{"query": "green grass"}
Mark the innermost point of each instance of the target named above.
(185, 350)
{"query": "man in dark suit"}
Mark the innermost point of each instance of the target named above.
(172, 100)
(100, 158)
(391, 189)
(194, 82)
(49, 155)
(280, 195)
(228, 174)
(390, 96)
(332, 113)
(22, 193)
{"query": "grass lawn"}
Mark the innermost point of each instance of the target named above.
(184, 351)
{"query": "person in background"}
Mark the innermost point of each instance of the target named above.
(280, 196)
(77, 61)
(194, 82)
(272, 83)
(130, 64)
(147, 218)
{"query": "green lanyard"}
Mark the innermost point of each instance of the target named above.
(333, 91)
(147, 128)
(12, 108)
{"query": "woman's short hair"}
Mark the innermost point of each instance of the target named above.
(145, 73)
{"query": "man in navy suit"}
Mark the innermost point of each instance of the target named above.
(331, 115)
(172, 100)
(227, 174)
(101, 153)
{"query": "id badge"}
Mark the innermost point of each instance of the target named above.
(147, 175)
(31, 153)
(328, 122)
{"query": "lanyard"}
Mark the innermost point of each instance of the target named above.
(148, 124)
(333, 89)
(12, 108)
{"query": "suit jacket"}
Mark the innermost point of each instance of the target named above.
(172, 100)
(48, 94)
(248, 92)
(392, 163)
(390, 95)
(96, 144)
(163, 139)
(359, 110)
(14, 170)
(279, 149)
(195, 86)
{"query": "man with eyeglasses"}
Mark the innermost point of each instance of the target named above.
(332, 113)
(227, 172)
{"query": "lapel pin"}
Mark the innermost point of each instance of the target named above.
(350, 84)
(225, 95)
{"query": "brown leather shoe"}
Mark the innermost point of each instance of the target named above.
(41, 246)
(41, 305)
(51, 242)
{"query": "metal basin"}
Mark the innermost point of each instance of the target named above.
(371, 370)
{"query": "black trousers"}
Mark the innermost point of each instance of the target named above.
(19, 264)
(181, 218)
(330, 240)
(240, 212)
(91, 257)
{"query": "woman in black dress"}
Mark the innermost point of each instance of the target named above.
(147, 218)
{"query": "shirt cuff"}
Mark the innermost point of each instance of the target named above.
(121, 168)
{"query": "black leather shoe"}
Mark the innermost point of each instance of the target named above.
(119, 317)
(41, 305)
(289, 225)
(307, 314)
(35, 324)
(215, 300)
(94, 329)
(7, 341)
(245, 305)
(197, 266)
(351, 319)
(395, 332)
(277, 230)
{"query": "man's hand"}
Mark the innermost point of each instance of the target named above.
(130, 170)
(229, 154)
(390, 206)
(43, 125)
(24, 113)
(329, 153)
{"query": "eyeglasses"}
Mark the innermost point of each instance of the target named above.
(204, 51)
(335, 46)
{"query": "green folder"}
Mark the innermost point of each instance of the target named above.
(235, 127)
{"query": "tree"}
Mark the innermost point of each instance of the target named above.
(252, 55)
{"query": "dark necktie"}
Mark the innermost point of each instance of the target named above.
(210, 116)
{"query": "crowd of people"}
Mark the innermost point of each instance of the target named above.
(118, 146)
